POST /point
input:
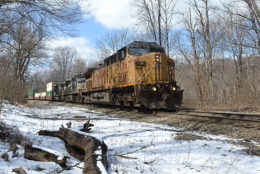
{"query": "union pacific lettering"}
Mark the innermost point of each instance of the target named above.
(123, 66)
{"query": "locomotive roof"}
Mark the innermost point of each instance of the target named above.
(89, 72)
(144, 44)
(135, 44)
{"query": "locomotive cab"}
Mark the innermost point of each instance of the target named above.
(154, 76)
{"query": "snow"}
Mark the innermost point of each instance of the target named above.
(99, 163)
(101, 167)
(60, 155)
(133, 147)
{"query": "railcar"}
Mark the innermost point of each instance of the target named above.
(51, 92)
(138, 75)
(74, 88)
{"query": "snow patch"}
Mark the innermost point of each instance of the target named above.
(151, 148)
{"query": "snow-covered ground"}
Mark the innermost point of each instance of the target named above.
(146, 148)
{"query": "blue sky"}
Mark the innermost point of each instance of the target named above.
(91, 29)
(106, 16)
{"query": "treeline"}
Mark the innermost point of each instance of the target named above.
(25, 25)
(216, 46)
(64, 64)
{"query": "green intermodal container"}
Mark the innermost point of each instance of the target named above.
(32, 92)
(49, 93)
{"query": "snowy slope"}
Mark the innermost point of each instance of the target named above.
(133, 147)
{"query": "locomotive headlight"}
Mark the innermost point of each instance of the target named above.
(174, 88)
(154, 88)
(157, 58)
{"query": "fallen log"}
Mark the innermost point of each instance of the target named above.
(3, 131)
(37, 154)
(19, 171)
(5, 156)
(83, 147)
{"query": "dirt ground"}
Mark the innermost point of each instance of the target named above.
(246, 136)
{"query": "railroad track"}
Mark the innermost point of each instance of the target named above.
(230, 118)
(238, 119)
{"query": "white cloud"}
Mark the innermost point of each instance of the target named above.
(113, 14)
(82, 45)
(117, 14)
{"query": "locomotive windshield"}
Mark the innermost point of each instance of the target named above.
(135, 51)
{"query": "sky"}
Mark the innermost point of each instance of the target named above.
(106, 16)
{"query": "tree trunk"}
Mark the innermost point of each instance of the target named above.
(159, 22)
(37, 154)
(82, 147)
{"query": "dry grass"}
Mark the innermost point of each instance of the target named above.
(188, 137)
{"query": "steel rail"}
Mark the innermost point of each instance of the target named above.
(248, 118)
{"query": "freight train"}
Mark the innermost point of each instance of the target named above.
(137, 75)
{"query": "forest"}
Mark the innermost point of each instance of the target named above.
(215, 45)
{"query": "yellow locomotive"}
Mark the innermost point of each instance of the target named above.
(139, 74)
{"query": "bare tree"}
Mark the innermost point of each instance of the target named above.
(191, 53)
(43, 14)
(236, 36)
(204, 30)
(254, 11)
(155, 17)
(111, 42)
(146, 11)
(26, 48)
(199, 44)
(250, 14)
(11, 88)
(168, 11)
(79, 66)
(4, 78)
(37, 80)
(63, 60)
(24, 25)
(244, 41)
